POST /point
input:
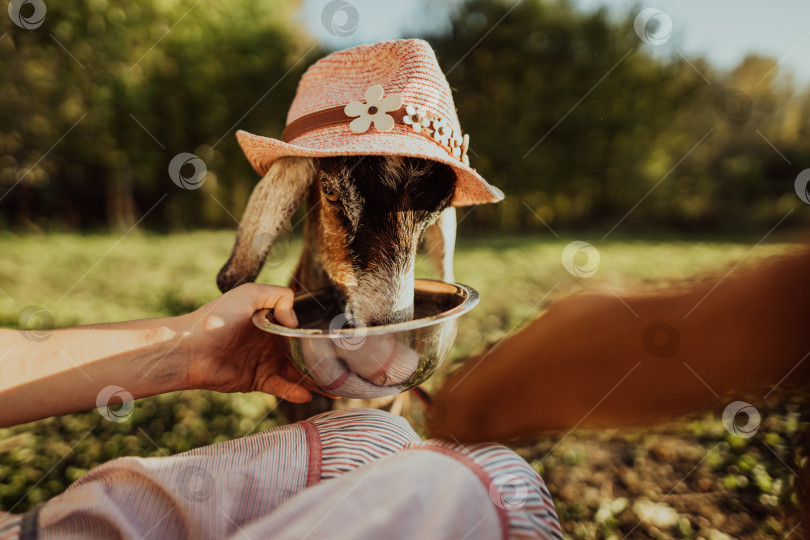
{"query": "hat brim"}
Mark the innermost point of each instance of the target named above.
(338, 140)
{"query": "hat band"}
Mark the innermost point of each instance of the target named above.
(335, 116)
(325, 118)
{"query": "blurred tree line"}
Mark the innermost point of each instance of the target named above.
(569, 113)
(141, 82)
(579, 147)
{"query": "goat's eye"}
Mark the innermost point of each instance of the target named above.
(329, 192)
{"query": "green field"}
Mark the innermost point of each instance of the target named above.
(101, 278)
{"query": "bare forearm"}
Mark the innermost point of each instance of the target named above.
(590, 362)
(65, 372)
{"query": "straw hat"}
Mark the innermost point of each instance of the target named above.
(390, 98)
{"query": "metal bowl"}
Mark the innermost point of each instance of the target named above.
(343, 360)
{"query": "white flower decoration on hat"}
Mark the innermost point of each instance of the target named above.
(374, 110)
(416, 118)
(442, 131)
(456, 142)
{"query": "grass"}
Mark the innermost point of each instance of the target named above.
(101, 278)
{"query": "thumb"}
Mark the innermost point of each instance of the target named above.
(280, 300)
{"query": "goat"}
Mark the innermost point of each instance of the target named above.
(365, 219)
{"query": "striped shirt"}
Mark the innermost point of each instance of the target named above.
(356, 473)
(9, 526)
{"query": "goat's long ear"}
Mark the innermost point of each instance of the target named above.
(440, 243)
(272, 203)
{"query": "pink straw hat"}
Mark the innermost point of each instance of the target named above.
(385, 99)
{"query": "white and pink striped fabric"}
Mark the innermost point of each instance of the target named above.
(357, 473)
(10, 525)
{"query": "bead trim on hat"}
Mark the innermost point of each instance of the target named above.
(384, 113)
(416, 117)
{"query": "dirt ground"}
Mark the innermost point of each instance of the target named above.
(689, 480)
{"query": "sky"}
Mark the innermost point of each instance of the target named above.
(724, 31)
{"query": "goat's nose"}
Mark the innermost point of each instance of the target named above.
(391, 317)
(382, 301)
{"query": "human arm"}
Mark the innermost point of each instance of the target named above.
(586, 362)
(215, 347)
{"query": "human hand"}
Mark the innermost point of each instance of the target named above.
(228, 354)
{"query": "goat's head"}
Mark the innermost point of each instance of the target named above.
(371, 217)
(366, 218)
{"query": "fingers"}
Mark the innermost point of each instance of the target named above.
(281, 387)
(280, 299)
(283, 310)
